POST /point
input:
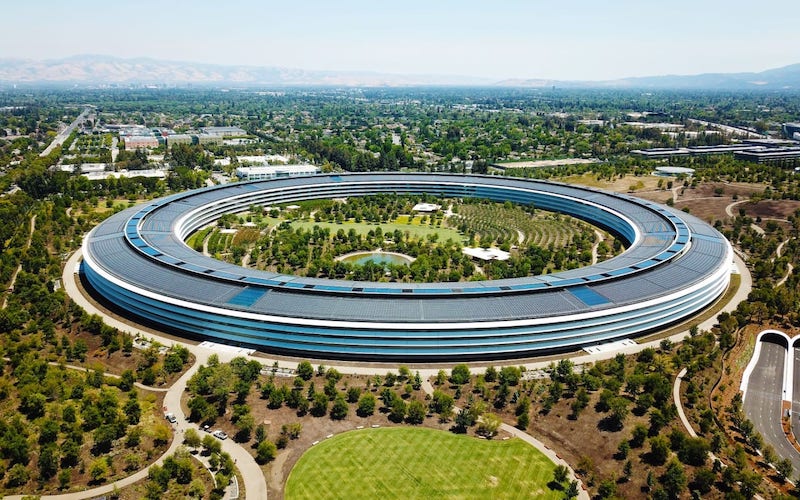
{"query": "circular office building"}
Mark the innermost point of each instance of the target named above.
(674, 266)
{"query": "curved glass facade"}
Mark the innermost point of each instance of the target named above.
(675, 266)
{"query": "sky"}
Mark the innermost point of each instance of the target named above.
(564, 40)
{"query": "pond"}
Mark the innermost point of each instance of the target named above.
(380, 258)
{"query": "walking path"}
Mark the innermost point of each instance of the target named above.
(172, 404)
(255, 481)
(550, 454)
(19, 267)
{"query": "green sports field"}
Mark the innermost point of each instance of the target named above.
(420, 463)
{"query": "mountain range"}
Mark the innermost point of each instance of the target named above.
(106, 70)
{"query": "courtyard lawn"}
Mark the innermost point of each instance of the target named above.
(416, 230)
(420, 463)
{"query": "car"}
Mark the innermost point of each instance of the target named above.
(219, 434)
(170, 418)
(206, 428)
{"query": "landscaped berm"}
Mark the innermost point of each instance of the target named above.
(420, 463)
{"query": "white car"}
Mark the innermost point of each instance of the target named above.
(170, 417)
(219, 434)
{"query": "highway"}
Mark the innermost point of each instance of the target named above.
(796, 393)
(762, 404)
(62, 136)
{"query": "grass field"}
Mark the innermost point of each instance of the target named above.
(416, 230)
(420, 463)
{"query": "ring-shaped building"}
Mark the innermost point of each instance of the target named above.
(674, 266)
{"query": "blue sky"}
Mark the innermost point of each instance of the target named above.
(580, 39)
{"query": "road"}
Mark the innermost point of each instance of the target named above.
(62, 136)
(763, 403)
(795, 352)
(255, 482)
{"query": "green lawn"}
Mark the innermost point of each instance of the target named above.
(416, 230)
(420, 463)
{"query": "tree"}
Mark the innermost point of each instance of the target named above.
(266, 451)
(397, 412)
(340, 408)
(784, 468)
(320, 406)
(674, 479)
(416, 412)
(305, 370)
(659, 450)
(703, 480)
(443, 404)
(191, 438)
(560, 473)
(48, 460)
(694, 451)
(459, 375)
(749, 483)
(572, 490)
(366, 405)
(17, 475)
(489, 424)
(619, 411)
(607, 488)
(523, 421)
(98, 470)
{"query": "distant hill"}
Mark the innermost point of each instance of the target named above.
(91, 69)
(787, 77)
(107, 70)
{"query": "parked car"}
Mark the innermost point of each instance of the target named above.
(170, 417)
(219, 434)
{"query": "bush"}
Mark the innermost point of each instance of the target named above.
(460, 374)
(266, 452)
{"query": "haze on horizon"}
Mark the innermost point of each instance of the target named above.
(580, 40)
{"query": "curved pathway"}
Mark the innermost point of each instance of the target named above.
(19, 267)
(550, 454)
(255, 480)
(729, 208)
(255, 484)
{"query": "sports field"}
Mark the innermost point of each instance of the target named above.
(420, 463)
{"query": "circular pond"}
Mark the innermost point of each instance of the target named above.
(379, 258)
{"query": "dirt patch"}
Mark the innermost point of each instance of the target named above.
(771, 209)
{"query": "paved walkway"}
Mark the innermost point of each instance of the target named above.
(582, 493)
(255, 484)
(255, 481)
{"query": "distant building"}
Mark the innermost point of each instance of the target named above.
(791, 130)
(140, 142)
(486, 253)
(208, 139)
(674, 171)
(426, 207)
(223, 131)
(266, 172)
(175, 139)
(159, 173)
(778, 156)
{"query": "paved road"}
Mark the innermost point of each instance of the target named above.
(795, 352)
(62, 136)
(255, 482)
(762, 405)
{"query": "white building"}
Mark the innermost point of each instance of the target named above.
(486, 253)
(426, 207)
(266, 172)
